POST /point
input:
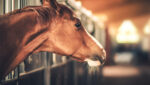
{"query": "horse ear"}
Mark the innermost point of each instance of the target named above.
(51, 3)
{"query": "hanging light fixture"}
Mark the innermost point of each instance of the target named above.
(127, 33)
(147, 28)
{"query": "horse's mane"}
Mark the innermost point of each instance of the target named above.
(45, 14)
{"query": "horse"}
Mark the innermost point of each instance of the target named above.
(52, 27)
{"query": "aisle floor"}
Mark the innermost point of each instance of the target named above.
(125, 75)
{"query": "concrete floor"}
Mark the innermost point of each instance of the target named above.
(125, 75)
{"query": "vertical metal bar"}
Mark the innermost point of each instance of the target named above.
(21, 4)
(6, 6)
(18, 4)
(3, 6)
(75, 73)
(50, 62)
(18, 76)
(46, 69)
(25, 3)
(13, 5)
(41, 2)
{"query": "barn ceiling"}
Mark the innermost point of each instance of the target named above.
(116, 10)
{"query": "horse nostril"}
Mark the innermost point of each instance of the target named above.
(100, 58)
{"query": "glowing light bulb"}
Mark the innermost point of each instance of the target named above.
(147, 28)
(127, 33)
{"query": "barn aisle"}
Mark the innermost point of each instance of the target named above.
(126, 75)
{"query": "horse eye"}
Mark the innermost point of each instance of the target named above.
(78, 25)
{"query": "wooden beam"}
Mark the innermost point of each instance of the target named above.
(116, 19)
(127, 11)
(102, 5)
(118, 9)
(96, 5)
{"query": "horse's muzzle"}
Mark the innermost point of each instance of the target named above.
(101, 59)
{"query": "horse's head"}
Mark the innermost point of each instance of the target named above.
(55, 29)
(68, 37)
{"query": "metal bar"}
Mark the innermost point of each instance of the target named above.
(18, 76)
(3, 6)
(30, 72)
(46, 69)
(19, 4)
(75, 78)
(6, 6)
(12, 5)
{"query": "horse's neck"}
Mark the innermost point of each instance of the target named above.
(14, 31)
(20, 35)
(15, 27)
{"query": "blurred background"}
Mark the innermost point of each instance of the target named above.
(121, 26)
(127, 42)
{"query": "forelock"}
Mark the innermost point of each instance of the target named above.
(65, 11)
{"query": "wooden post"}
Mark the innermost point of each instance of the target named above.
(108, 45)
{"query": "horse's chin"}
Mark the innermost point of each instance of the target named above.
(93, 63)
